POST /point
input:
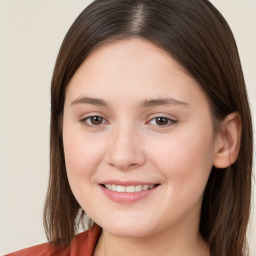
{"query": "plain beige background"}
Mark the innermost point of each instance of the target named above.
(31, 32)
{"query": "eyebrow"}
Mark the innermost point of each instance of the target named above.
(88, 100)
(145, 104)
(166, 101)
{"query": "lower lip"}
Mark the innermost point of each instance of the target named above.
(124, 197)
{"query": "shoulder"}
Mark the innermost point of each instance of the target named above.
(41, 250)
(82, 244)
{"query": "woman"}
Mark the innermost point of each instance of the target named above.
(151, 134)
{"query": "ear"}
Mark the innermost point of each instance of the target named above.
(228, 141)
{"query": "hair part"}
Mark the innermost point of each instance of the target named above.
(137, 20)
(197, 36)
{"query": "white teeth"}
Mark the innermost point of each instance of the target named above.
(145, 187)
(120, 188)
(108, 186)
(138, 188)
(128, 189)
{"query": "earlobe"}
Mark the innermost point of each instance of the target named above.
(228, 141)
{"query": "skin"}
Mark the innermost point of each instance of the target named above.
(130, 144)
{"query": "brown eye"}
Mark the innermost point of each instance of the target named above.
(93, 121)
(162, 121)
(96, 120)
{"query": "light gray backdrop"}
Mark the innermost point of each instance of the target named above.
(30, 35)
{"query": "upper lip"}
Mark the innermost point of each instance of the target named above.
(127, 183)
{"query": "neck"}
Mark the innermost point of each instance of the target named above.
(165, 243)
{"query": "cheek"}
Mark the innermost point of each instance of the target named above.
(82, 158)
(82, 153)
(185, 159)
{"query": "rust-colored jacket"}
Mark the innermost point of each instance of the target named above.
(83, 244)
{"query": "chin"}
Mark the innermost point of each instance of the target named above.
(128, 231)
(127, 228)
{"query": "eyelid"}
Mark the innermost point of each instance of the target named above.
(171, 120)
(84, 121)
(85, 118)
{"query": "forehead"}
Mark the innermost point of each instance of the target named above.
(135, 68)
(134, 52)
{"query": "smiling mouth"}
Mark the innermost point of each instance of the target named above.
(128, 189)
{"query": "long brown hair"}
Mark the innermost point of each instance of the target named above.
(198, 37)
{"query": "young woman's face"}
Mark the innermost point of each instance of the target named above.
(138, 140)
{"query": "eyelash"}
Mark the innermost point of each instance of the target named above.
(88, 121)
(169, 121)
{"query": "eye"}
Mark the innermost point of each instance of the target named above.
(94, 121)
(162, 121)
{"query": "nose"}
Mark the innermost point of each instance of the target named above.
(125, 150)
